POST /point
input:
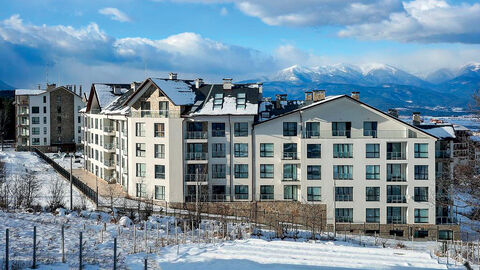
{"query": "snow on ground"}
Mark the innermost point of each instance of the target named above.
(17, 164)
(250, 253)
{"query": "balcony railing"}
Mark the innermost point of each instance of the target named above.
(442, 154)
(219, 175)
(396, 199)
(290, 178)
(420, 198)
(396, 155)
(373, 198)
(155, 114)
(218, 133)
(109, 163)
(266, 196)
(196, 135)
(343, 197)
(109, 146)
(196, 156)
(219, 197)
(396, 178)
(358, 134)
(218, 154)
(396, 220)
(108, 129)
(446, 220)
(196, 177)
(290, 155)
(241, 196)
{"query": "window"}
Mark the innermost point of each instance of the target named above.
(289, 128)
(373, 150)
(144, 108)
(163, 108)
(241, 192)
(218, 101)
(241, 129)
(312, 130)
(341, 129)
(36, 131)
(241, 100)
(372, 215)
(421, 172)
(35, 109)
(139, 129)
(44, 99)
(395, 194)
(314, 151)
(45, 141)
(140, 147)
(218, 192)
(314, 194)
(59, 130)
(421, 150)
(59, 119)
(35, 141)
(266, 150)
(370, 129)
(266, 170)
(395, 151)
(344, 150)
(159, 192)
(44, 109)
(421, 194)
(395, 173)
(35, 120)
(218, 129)
(421, 215)
(218, 150)
(266, 192)
(343, 194)
(159, 130)
(159, 151)
(141, 169)
(314, 172)
(141, 190)
(344, 214)
(218, 171)
(59, 109)
(241, 170)
(45, 131)
(290, 192)
(159, 171)
(343, 172)
(372, 172)
(241, 149)
(290, 151)
(372, 194)
(59, 99)
(290, 172)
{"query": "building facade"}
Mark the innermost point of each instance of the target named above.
(181, 140)
(48, 119)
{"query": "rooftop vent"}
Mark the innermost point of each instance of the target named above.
(318, 95)
(172, 76)
(356, 95)
(227, 83)
(198, 82)
(393, 112)
(278, 100)
(416, 120)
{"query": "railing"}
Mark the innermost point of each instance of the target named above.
(196, 156)
(159, 134)
(373, 198)
(108, 129)
(159, 154)
(159, 175)
(343, 176)
(396, 199)
(370, 133)
(341, 133)
(219, 197)
(109, 163)
(346, 154)
(343, 197)
(396, 220)
(218, 133)
(241, 196)
(420, 198)
(396, 155)
(109, 146)
(218, 154)
(396, 178)
(196, 135)
(266, 196)
(442, 153)
(219, 175)
(290, 179)
(344, 219)
(192, 177)
(86, 190)
(290, 155)
(311, 134)
(359, 134)
(446, 220)
(154, 114)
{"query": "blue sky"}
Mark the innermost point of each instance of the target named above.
(124, 40)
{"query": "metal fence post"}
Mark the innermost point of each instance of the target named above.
(34, 247)
(6, 249)
(63, 243)
(115, 253)
(80, 253)
(145, 264)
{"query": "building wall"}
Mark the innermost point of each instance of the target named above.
(62, 121)
(42, 102)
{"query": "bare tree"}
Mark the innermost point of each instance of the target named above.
(5, 120)
(31, 188)
(114, 195)
(56, 194)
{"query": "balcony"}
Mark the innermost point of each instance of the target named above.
(108, 129)
(196, 156)
(155, 114)
(109, 163)
(109, 146)
(396, 178)
(290, 155)
(396, 199)
(196, 135)
(220, 197)
(396, 156)
(442, 154)
(192, 177)
(359, 134)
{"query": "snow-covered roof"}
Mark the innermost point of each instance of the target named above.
(180, 92)
(460, 128)
(229, 107)
(107, 93)
(31, 92)
(442, 132)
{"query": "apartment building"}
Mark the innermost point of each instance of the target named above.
(176, 140)
(48, 119)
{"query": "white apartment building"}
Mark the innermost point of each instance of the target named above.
(48, 119)
(173, 140)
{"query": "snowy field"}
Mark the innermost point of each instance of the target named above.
(250, 253)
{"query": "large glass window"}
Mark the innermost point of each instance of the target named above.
(266, 170)
(372, 215)
(290, 172)
(159, 151)
(372, 194)
(314, 194)
(160, 171)
(266, 150)
(218, 171)
(141, 190)
(421, 194)
(290, 151)
(343, 172)
(241, 129)
(314, 150)
(341, 129)
(372, 150)
(421, 172)
(241, 192)
(141, 169)
(218, 150)
(343, 150)
(344, 215)
(159, 130)
(290, 192)
(370, 129)
(139, 129)
(140, 149)
(35, 109)
(218, 129)
(241, 149)
(266, 192)
(343, 194)
(314, 172)
(372, 172)
(159, 192)
(421, 150)
(241, 170)
(312, 130)
(289, 128)
(421, 215)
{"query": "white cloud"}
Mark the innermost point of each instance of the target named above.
(114, 14)
(224, 11)
(424, 21)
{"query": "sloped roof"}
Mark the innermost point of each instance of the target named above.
(180, 92)
(440, 131)
(29, 92)
(106, 92)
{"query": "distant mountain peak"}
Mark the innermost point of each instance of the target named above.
(370, 67)
(5, 86)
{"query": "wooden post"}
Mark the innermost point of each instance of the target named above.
(168, 232)
(34, 247)
(6, 250)
(80, 252)
(184, 232)
(145, 264)
(134, 239)
(115, 253)
(145, 237)
(63, 243)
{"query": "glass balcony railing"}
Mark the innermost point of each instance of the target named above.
(109, 163)
(196, 156)
(154, 114)
(109, 146)
(108, 129)
(396, 178)
(196, 177)
(196, 135)
(396, 155)
(358, 134)
(396, 199)
(290, 155)
(396, 220)
(442, 154)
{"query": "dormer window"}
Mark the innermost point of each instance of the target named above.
(218, 101)
(241, 100)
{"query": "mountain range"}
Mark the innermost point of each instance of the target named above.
(441, 92)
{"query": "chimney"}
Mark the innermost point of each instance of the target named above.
(278, 100)
(75, 88)
(393, 112)
(198, 82)
(172, 76)
(318, 95)
(38, 86)
(416, 118)
(80, 90)
(227, 83)
(356, 95)
(308, 97)
(51, 86)
(260, 90)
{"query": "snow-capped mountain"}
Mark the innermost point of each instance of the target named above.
(440, 76)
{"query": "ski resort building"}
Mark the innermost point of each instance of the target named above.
(174, 141)
(48, 119)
